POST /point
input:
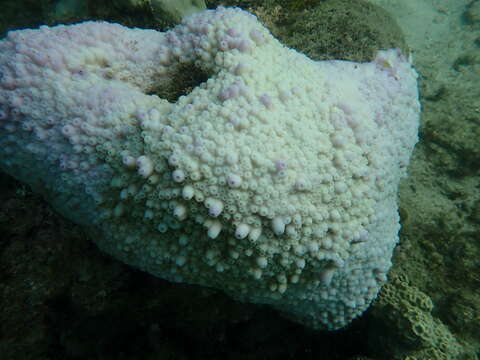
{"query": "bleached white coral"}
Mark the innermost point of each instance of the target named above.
(275, 180)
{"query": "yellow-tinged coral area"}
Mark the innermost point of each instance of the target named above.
(409, 315)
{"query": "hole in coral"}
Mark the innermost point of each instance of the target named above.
(183, 82)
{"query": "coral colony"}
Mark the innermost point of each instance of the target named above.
(274, 180)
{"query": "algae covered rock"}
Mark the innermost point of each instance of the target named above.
(332, 29)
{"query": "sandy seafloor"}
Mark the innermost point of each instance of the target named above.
(60, 298)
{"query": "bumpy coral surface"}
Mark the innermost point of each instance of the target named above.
(275, 180)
